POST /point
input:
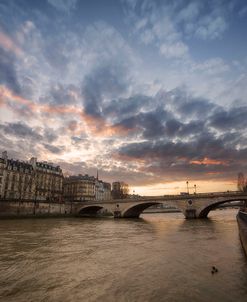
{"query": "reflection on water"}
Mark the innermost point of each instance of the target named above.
(160, 257)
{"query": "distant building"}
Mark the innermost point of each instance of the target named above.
(120, 190)
(30, 180)
(79, 188)
(85, 187)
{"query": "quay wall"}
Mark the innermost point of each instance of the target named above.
(31, 208)
(242, 225)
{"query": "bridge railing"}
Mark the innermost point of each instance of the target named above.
(172, 197)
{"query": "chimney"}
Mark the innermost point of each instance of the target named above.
(33, 162)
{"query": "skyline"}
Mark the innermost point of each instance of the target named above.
(149, 92)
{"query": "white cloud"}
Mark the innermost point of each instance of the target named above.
(211, 27)
(63, 5)
(175, 50)
(213, 66)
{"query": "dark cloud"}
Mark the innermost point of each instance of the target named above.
(204, 155)
(54, 149)
(149, 124)
(8, 74)
(50, 135)
(234, 118)
(21, 130)
(105, 82)
(193, 128)
(128, 106)
(172, 127)
(62, 95)
(196, 108)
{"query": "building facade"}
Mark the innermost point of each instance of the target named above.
(48, 180)
(16, 179)
(85, 188)
(120, 190)
(30, 180)
(79, 188)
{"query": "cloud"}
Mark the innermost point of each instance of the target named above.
(60, 94)
(189, 136)
(211, 27)
(213, 66)
(21, 130)
(227, 120)
(8, 74)
(175, 50)
(63, 5)
(170, 25)
(105, 82)
(9, 45)
(153, 25)
(54, 149)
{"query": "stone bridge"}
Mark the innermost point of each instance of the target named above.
(192, 206)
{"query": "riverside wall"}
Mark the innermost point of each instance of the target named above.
(242, 225)
(31, 208)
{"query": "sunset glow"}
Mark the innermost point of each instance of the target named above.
(148, 94)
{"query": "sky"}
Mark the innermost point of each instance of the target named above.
(152, 93)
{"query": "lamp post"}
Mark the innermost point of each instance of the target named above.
(195, 189)
(187, 183)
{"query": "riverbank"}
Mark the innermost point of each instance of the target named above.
(242, 225)
(31, 208)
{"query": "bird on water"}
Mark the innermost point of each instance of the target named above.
(214, 270)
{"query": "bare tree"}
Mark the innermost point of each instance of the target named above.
(242, 183)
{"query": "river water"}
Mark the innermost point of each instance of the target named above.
(160, 257)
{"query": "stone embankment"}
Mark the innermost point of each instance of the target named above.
(31, 208)
(242, 224)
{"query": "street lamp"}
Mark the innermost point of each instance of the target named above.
(195, 189)
(187, 183)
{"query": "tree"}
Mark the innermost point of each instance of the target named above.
(120, 190)
(242, 182)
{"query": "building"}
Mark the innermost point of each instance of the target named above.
(85, 188)
(16, 179)
(79, 188)
(48, 180)
(30, 180)
(120, 190)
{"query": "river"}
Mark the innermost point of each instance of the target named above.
(160, 257)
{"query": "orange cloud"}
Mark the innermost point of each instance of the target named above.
(208, 161)
(8, 44)
(214, 173)
(95, 125)
(99, 127)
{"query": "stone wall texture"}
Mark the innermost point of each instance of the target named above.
(242, 224)
(15, 208)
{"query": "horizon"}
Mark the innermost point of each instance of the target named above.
(152, 93)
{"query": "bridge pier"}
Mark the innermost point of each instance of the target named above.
(190, 214)
(117, 214)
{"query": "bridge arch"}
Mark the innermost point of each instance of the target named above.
(134, 211)
(91, 210)
(203, 213)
